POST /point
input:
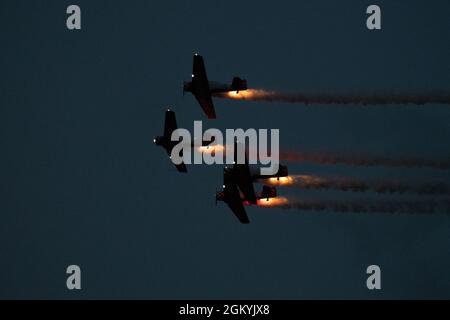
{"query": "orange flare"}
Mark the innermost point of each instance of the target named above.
(272, 202)
(281, 181)
(211, 149)
(247, 94)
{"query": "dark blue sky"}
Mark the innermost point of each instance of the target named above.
(82, 183)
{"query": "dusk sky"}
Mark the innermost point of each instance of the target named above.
(82, 183)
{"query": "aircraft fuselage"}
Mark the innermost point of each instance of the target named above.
(214, 88)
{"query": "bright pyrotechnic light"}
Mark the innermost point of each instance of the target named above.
(233, 94)
(247, 94)
(239, 95)
(211, 149)
(281, 181)
(272, 202)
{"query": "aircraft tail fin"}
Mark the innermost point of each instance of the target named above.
(268, 192)
(239, 84)
(282, 171)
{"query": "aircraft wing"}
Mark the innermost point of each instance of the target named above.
(207, 105)
(181, 167)
(243, 177)
(201, 87)
(170, 124)
(235, 203)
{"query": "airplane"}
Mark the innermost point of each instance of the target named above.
(203, 90)
(238, 189)
(170, 125)
(236, 200)
(244, 176)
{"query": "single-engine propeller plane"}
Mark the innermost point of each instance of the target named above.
(203, 90)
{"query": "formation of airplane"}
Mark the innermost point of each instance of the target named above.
(203, 90)
(238, 190)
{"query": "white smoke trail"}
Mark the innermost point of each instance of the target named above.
(370, 206)
(362, 185)
(363, 160)
(376, 98)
